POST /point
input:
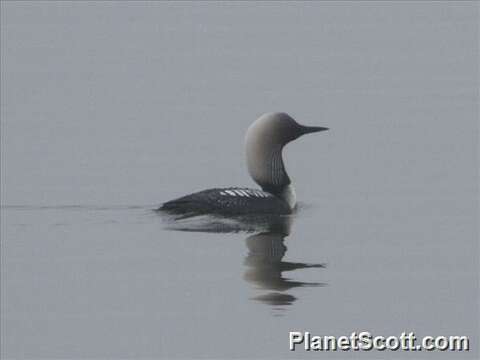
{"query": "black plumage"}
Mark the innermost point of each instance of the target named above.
(227, 201)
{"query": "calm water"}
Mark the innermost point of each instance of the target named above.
(108, 109)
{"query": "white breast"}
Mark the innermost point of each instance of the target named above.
(288, 194)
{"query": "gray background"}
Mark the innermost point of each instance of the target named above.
(109, 108)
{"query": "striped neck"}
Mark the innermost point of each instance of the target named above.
(267, 169)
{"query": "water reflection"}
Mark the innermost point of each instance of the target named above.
(266, 267)
(266, 251)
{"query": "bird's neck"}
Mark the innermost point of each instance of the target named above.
(266, 167)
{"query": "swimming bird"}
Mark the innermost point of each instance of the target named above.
(264, 142)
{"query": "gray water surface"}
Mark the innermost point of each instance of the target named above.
(110, 108)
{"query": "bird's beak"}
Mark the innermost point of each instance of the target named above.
(312, 129)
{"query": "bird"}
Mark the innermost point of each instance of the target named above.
(264, 142)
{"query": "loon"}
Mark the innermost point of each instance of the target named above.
(264, 143)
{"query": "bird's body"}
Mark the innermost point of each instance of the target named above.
(264, 143)
(228, 201)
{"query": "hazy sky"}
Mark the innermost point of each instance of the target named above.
(104, 102)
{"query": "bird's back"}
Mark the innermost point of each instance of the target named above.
(227, 201)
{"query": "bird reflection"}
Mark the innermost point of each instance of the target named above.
(266, 250)
(265, 264)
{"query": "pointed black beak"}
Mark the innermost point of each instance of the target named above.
(312, 129)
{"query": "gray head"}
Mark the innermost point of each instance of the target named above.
(264, 142)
